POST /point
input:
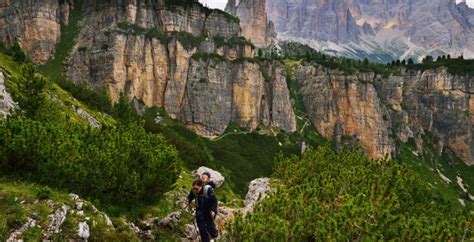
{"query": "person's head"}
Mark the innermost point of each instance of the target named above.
(206, 176)
(197, 185)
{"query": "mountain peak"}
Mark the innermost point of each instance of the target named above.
(421, 27)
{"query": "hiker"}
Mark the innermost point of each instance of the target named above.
(206, 209)
(206, 178)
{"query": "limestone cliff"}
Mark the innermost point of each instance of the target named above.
(342, 107)
(377, 111)
(189, 60)
(36, 24)
(253, 20)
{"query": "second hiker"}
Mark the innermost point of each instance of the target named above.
(206, 209)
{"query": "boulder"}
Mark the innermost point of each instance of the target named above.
(216, 176)
(258, 189)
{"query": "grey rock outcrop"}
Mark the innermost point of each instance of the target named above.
(30, 223)
(57, 219)
(7, 105)
(93, 122)
(258, 190)
(83, 231)
(170, 219)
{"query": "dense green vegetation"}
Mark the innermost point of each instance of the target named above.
(239, 155)
(121, 164)
(346, 196)
(297, 51)
(458, 65)
(232, 42)
(430, 166)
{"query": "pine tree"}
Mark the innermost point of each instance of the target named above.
(30, 94)
(17, 52)
(123, 111)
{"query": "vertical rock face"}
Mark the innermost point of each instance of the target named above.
(253, 20)
(216, 96)
(36, 25)
(344, 107)
(190, 61)
(439, 103)
(374, 109)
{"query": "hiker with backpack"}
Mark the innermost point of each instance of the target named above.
(206, 209)
(206, 178)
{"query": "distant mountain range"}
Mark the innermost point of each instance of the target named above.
(381, 30)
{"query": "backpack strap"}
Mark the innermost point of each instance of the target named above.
(206, 190)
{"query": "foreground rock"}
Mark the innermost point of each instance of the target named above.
(258, 190)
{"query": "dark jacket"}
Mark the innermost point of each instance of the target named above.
(212, 184)
(204, 204)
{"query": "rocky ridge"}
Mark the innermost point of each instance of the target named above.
(377, 29)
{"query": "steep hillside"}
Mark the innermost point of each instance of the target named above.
(130, 96)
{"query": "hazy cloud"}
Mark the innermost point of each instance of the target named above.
(216, 3)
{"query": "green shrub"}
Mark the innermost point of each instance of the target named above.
(154, 33)
(131, 28)
(117, 165)
(17, 52)
(345, 197)
(189, 41)
(208, 56)
(31, 89)
(44, 193)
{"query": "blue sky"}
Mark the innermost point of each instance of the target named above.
(221, 3)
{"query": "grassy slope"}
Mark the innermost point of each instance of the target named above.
(12, 71)
(429, 163)
(18, 201)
